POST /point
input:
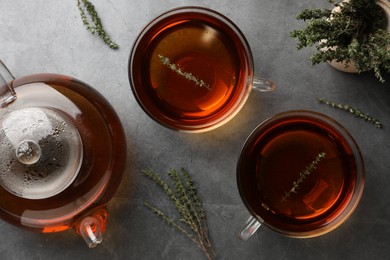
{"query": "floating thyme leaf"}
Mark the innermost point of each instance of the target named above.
(176, 68)
(353, 111)
(97, 27)
(303, 175)
(192, 221)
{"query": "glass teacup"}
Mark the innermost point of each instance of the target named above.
(301, 174)
(191, 69)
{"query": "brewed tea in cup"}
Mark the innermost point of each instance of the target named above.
(300, 173)
(191, 69)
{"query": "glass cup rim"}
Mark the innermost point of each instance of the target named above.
(360, 171)
(173, 124)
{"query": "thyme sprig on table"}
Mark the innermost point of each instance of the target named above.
(192, 221)
(351, 110)
(303, 175)
(86, 6)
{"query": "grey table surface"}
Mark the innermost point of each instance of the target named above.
(48, 36)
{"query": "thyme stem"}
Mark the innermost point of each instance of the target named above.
(97, 27)
(176, 68)
(353, 111)
(197, 204)
(168, 220)
(192, 221)
(303, 175)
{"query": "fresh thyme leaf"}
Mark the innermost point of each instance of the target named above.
(192, 221)
(86, 6)
(353, 111)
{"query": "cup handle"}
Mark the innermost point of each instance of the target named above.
(250, 228)
(263, 85)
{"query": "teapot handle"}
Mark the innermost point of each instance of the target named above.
(7, 93)
(91, 226)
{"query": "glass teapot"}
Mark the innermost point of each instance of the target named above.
(62, 154)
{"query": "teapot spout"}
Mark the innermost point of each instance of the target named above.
(7, 93)
(91, 226)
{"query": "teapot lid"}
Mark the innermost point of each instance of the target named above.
(40, 152)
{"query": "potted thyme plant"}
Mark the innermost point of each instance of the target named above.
(354, 36)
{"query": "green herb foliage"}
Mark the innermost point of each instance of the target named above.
(192, 221)
(353, 111)
(356, 33)
(86, 6)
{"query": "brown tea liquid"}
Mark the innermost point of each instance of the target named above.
(271, 164)
(190, 69)
(104, 153)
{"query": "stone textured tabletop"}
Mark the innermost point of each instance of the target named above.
(48, 36)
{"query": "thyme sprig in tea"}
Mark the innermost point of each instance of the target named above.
(352, 110)
(187, 75)
(192, 221)
(303, 175)
(86, 7)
